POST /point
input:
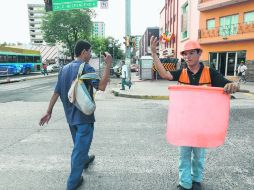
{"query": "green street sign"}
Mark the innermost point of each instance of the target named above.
(60, 5)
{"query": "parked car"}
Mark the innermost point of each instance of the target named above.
(53, 68)
(134, 68)
(117, 71)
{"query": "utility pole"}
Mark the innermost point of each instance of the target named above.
(128, 32)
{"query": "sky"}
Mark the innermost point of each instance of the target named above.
(144, 13)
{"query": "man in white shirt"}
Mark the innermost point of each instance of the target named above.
(242, 68)
(125, 76)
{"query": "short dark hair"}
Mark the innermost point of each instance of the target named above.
(80, 46)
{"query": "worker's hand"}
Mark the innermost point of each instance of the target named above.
(230, 88)
(107, 59)
(154, 43)
(45, 119)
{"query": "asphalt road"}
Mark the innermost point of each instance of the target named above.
(129, 144)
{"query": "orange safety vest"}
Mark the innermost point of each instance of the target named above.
(205, 78)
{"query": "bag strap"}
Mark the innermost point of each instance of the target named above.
(80, 70)
(86, 76)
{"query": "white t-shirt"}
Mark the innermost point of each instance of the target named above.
(125, 73)
(242, 69)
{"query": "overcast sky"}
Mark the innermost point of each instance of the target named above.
(144, 13)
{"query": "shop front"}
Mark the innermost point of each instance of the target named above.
(226, 62)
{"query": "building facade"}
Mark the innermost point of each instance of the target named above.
(144, 43)
(99, 29)
(35, 14)
(180, 21)
(226, 34)
(188, 23)
(137, 39)
(168, 29)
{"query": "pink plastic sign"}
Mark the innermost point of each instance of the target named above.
(198, 116)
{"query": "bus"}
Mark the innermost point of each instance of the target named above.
(13, 63)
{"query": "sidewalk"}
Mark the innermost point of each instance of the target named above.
(18, 78)
(158, 89)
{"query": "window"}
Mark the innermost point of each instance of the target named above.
(184, 26)
(210, 24)
(29, 59)
(11, 59)
(249, 17)
(3, 58)
(213, 60)
(241, 55)
(228, 25)
(37, 59)
(21, 59)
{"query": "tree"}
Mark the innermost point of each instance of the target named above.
(67, 27)
(100, 44)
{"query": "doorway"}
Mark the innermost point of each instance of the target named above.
(222, 63)
(226, 62)
(231, 60)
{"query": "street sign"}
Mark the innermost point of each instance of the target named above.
(104, 4)
(59, 5)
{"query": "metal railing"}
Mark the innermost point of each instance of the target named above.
(227, 30)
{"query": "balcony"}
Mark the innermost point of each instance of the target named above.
(234, 32)
(205, 5)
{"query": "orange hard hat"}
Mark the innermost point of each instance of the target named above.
(190, 45)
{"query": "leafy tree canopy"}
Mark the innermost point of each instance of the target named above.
(100, 44)
(67, 27)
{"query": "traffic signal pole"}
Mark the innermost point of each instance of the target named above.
(128, 33)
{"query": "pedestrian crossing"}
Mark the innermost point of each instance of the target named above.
(12, 87)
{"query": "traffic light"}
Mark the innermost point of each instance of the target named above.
(127, 41)
(48, 5)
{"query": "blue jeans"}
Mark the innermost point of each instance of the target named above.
(191, 168)
(82, 136)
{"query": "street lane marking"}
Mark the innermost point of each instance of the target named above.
(13, 87)
(49, 87)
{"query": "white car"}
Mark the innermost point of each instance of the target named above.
(53, 68)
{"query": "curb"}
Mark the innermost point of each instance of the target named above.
(27, 78)
(38, 77)
(12, 81)
(116, 93)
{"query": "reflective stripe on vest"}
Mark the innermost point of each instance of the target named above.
(205, 78)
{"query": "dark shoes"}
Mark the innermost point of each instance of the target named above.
(196, 186)
(179, 187)
(90, 160)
